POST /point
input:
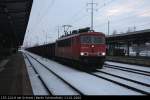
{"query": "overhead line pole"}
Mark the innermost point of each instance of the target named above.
(92, 12)
(92, 16)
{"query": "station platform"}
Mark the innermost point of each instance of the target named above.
(14, 79)
(130, 60)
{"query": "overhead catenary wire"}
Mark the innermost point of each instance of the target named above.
(115, 20)
(40, 20)
(81, 19)
(122, 19)
(73, 21)
(86, 15)
(132, 28)
(77, 14)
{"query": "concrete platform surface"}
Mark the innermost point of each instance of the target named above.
(14, 79)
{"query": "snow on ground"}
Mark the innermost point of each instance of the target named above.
(88, 84)
(36, 84)
(136, 77)
(129, 66)
(137, 86)
(55, 85)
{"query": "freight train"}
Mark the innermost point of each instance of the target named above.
(81, 46)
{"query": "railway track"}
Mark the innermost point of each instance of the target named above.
(124, 78)
(78, 92)
(137, 84)
(141, 72)
(120, 83)
(124, 82)
(40, 78)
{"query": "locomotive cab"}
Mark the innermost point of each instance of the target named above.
(82, 47)
(92, 48)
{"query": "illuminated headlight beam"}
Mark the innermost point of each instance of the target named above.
(103, 54)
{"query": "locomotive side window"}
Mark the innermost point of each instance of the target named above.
(92, 39)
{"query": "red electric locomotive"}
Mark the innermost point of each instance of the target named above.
(83, 46)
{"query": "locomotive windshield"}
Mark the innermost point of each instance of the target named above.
(92, 39)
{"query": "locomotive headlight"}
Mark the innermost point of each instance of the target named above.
(93, 46)
(103, 53)
(82, 54)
